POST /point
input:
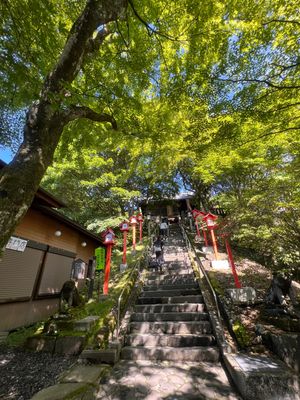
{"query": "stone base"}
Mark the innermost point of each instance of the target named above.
(220, 264)
(41, 343)
(69, 345)
(262, 378)
(85, 324)
(105, 356)
(242, 296)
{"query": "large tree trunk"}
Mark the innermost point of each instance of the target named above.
(46, 118)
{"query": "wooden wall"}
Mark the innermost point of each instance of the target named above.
(20, 310)
(40, 228)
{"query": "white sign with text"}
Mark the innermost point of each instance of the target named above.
(17, 244)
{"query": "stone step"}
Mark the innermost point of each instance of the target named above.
(171, 273)
(175, 266)
(156, 282)
(171, 316)
(162, 340)
(170, 299)
(177, 263)
(207, 354)
(170, 248)
(164, 308)
(170, 278)
(186, 275)
(174, 286)
(86, 323)
(188, 327)
(169, 293)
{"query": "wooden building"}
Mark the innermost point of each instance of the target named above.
(171, 208)
(37, 261)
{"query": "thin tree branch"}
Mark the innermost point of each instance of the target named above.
(285, 107)
(285, 21)
(269, 134)
(148, 27)
(75, 112)
(265, 81)
(121, 34)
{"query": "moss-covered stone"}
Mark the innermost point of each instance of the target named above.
(242, 336)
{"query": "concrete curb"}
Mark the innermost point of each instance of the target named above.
(262, 378)
(81, 382)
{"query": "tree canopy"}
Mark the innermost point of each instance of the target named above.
(203, 95)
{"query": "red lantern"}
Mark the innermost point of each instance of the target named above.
(211, 225)
(195, 214)
(210, 220)
(133, 220)
(124, 226)
(201, 214)
(108, 237)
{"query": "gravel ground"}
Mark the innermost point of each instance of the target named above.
(24, 373)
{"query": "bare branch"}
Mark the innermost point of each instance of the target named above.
(75, 112)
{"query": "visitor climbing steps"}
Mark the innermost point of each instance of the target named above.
(170, 322)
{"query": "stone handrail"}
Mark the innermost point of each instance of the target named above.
(215, 317)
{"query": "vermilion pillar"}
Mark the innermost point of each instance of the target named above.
(214, 243)
(107, 268)
(124, 247)
(133, 237)
(140, 221)
(108, 237)
(205, 237)
(230, 257)
(133, 222)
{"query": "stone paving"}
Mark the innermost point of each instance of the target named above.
(145, 380)
(167, 380)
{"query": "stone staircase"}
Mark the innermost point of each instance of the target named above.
(170, 322)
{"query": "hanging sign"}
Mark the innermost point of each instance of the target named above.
(17, 244)
(100, 258)
(78, 269)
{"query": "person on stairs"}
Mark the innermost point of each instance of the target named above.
(158, 246)
(163, 229)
